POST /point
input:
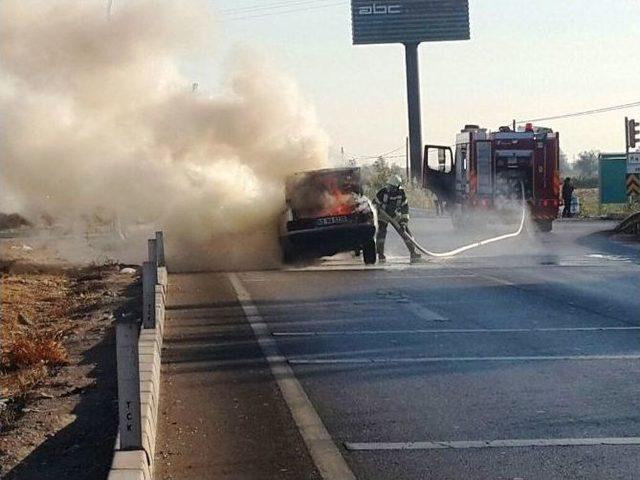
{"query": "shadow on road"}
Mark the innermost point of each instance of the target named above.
(602, 242)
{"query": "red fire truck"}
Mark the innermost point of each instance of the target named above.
(489, 169)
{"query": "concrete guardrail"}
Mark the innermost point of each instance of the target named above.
(139, 346)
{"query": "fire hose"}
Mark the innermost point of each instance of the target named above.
(409, 238)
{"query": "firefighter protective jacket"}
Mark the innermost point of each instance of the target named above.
(394, 202)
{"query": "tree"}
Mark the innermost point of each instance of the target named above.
(566, 168)
(587, 164)
(377, 174)
(381, 172)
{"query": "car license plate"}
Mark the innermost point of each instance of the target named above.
(332, 220)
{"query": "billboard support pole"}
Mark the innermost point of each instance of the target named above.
(413, 101)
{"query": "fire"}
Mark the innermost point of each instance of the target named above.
(337, 202)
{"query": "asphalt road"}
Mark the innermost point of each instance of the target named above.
(519, 360)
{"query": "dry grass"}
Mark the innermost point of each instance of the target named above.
(57, 362)
(25, 352)
(18, 383)
(419, 198)
(590, 205)
(35, 318)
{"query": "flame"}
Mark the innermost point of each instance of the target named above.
(337, 202)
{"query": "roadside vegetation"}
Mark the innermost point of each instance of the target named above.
(376, 175)
(35, 311)
(590, 206)
(57, 352)
(584, 176)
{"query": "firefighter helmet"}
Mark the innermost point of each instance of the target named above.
(394, 181)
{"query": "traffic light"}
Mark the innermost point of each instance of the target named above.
(633, 133)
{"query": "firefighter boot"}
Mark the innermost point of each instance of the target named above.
(416, 258)
(406, 236)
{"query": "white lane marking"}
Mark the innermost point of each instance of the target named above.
(336, 268)
(501, 281)
(453, 331)
(423, 312)
(251, 278)
(535, 442)
(614, 258)
(373, 303)
(323, 450)
(393, 264)
(368, 303)
(419, 277)
(329, 361)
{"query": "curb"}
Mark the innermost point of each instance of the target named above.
(138, 463)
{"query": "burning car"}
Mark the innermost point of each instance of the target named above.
(326, 213)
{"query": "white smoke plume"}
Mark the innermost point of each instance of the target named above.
(96, 116)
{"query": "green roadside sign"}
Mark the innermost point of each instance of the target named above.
(612, 171)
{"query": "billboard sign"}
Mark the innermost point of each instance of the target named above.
(409, 21)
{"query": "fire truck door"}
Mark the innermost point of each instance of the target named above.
(462, 169)
(484, 166)
(438, 171)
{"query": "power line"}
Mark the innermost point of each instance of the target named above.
(392, 151)
(373, 157)
(283, 12)
(584, 113)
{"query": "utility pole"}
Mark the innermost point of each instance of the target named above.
(626, 136)
(413, 103)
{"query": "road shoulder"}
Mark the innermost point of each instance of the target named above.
(221, 412)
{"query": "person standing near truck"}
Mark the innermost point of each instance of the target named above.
(567, 195)
(392, 199)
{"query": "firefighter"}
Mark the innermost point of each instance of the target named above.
(393, 200)
(567, 195)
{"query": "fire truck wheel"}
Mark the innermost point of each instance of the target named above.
(544, 225)
(289, 255)
(369, 252)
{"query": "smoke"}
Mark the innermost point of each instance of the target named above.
(96, 116)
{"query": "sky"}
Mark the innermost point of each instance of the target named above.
(524, 60)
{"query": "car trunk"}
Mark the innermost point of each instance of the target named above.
(323, 193)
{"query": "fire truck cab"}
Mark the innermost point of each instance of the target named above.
(488, 170)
